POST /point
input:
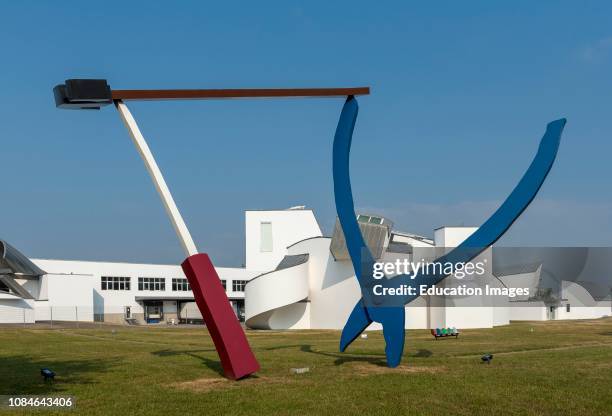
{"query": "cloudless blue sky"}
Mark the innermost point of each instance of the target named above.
(461, 94)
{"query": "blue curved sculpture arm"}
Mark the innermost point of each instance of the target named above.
(391, 313)
(358, 251)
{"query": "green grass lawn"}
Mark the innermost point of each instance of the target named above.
(545, 368)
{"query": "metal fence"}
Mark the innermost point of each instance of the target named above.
(88, 316)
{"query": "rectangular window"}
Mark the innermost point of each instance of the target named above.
(224, 284)
(238, 285)
(265, 243)
(115, 283)
(567, 308)
(369, 219)
(152, 283)
(180, 285)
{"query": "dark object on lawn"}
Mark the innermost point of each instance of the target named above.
(445, 332)
(47, 374)
(487, 358)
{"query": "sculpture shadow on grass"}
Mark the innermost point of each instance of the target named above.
(21, 374)
(212, 364)
(422, 353)
(341, 358)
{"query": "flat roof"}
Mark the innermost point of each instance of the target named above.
(455, 226)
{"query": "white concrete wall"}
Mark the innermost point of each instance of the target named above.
(71, 298)
(603, 308)
(288, 227)
(462, 317)
(452, 236)
(417, 314)
(527, 311)
(294, 316)
(333, 288)
(581, 303)
(582, 312)
(14, 310)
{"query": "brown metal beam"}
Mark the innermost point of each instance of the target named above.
(236, 93)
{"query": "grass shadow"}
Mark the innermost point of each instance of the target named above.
(343, 358)
(214, 365)
(422, 354)
(22, 374)
(282, 347)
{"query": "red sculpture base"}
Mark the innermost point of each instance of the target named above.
(230, 341)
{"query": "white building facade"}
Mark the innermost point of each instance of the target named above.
(126, 292)
(294, 278)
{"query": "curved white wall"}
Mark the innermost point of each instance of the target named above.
(283, 289)
(333, 289)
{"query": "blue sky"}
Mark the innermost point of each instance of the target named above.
(461, 94)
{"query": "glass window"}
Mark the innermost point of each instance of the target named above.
(224, 284)
(151, 283)
(375, 220)
(265, 244)
(363, 218)
(180, 285)
(114, 283)
(238, 285)
(567, 308)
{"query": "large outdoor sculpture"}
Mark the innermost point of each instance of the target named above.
(237, 359)
(390, 310)
(230, 341)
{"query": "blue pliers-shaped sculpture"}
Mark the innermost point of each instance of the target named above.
(389, 310)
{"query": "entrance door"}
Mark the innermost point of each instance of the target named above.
(154, 311)
(238, 307)
(552, 312)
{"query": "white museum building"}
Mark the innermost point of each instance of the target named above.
(294, 278)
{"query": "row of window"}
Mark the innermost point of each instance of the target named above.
(180, 285)
(115, 283)
(159, 284)
(152, 283)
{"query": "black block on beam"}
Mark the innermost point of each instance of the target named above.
(83, 94)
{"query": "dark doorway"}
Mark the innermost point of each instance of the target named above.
(153, 311)
(238, 307)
